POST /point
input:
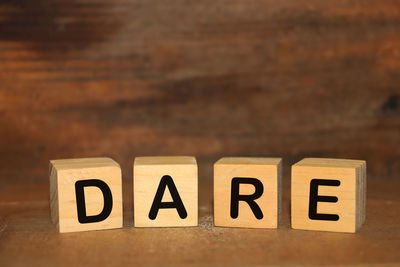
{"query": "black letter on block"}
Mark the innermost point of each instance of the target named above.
(81, 205)
(314, 198)
(166, 181)
(235, 197)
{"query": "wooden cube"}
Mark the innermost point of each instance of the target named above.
(165, 191)
(85, 194)
(328, 194)
(247, 192)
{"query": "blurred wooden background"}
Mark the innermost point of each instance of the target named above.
(205, 78)
(216, 78)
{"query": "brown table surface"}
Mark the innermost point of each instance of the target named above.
(28, 237)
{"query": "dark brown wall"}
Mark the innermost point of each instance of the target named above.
(204, 78)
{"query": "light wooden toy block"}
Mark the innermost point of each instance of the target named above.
(165, 192)
(328, 194)
(85, 194)
(256, 178)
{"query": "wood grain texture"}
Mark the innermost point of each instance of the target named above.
(127, 78)
(124, 78)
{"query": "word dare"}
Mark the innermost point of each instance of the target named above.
(327, 194)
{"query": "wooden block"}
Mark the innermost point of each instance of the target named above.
(165, 191)
(247, 192)
(328, 194)
(85, 194)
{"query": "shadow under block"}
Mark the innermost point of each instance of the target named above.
(167, 180)
(66, 175)
(267, 171)
(343, 199)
